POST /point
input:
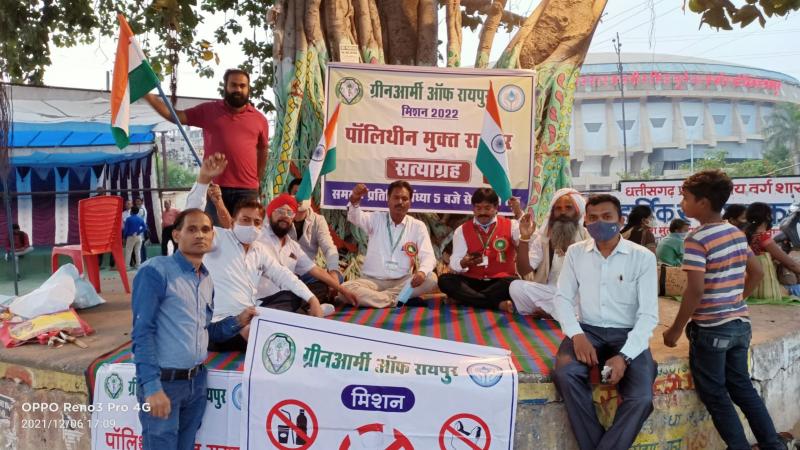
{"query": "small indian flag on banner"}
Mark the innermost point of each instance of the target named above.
(133, 78)
(492, 159)
(323, 159)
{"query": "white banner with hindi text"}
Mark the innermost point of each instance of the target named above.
(323, 384)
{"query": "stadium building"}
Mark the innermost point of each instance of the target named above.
(677, 109)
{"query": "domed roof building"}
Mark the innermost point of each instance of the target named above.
(676, 108)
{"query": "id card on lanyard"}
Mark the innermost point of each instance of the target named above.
(391, 264)
(485, 244)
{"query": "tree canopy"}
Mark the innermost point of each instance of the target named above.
(168, 29)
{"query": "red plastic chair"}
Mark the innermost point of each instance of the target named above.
(100, 225)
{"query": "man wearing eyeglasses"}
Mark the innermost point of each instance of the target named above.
(237, 261)
(280, 213)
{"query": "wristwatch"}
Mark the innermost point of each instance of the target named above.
(628, 360)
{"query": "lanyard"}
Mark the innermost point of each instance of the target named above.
(480, 237)
(394, 243)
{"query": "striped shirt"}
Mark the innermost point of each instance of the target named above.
(721, 251)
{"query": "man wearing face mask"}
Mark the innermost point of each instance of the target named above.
(483, 263)
(233, 127)
(617, 285)
(274, 237)
(534, 294)
(670, 249)
(237, 261)
(399, 250)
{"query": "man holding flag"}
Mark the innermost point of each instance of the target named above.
(231, 126)
(483, 263)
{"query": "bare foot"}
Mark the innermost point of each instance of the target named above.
(507, 306)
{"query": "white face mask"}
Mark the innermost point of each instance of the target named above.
(246, 234)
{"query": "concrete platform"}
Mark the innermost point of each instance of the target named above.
(34, 373)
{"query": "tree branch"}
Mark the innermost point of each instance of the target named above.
(485, 7)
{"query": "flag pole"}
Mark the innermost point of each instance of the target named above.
(178, 123)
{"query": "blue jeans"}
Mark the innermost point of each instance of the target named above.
(571, 378)
(718, 361)
(188, 404)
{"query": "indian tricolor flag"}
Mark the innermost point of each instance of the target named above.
(323, 159)
(133, 78)
(492, 159)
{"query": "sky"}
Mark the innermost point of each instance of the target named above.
(650, 26)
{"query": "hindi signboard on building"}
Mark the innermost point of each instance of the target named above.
(664, 197)
(315, 383)
(423, 125)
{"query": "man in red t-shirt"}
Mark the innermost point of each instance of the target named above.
(233, 127)
(483, 262)
(168, 216)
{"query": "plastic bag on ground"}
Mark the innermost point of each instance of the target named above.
(85, 295)
(54, 295)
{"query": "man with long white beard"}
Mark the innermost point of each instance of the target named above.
(534, 294)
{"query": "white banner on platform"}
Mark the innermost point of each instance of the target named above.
(664, 197)
(321, 384)
(115, 420)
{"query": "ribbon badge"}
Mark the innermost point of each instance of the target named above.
(411, 251)
(501, 245)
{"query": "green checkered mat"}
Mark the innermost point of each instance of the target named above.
(533, 343)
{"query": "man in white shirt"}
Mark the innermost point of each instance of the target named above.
(616, 282)
(311, 231)
(534, 294)
(399, 251)
(237, 262)
(483, 263)
(137, 202)
(288, 253)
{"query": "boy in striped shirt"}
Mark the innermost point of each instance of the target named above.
(721, 272)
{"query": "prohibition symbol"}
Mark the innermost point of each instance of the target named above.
(292, 425)
(373, 432)
(465, 431)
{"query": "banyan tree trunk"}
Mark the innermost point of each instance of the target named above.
(310, 33)
(553, 40)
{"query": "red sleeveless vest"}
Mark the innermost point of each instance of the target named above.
(500, 249)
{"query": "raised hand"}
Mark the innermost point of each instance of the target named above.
(526, 224)
(359, 191)
(212, 166)
(214, 193)
(514, 203)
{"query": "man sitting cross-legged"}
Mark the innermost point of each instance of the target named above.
(399, 249)
(484, 255)
(545, 249)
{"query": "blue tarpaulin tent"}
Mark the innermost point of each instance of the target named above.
(61, 141)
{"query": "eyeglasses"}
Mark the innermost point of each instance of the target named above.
(285, 212)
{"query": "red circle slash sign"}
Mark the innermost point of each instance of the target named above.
(400, 442)
(468, 435)
(276, 413)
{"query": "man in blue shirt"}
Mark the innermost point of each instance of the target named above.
(133, 236)
(172, 304)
